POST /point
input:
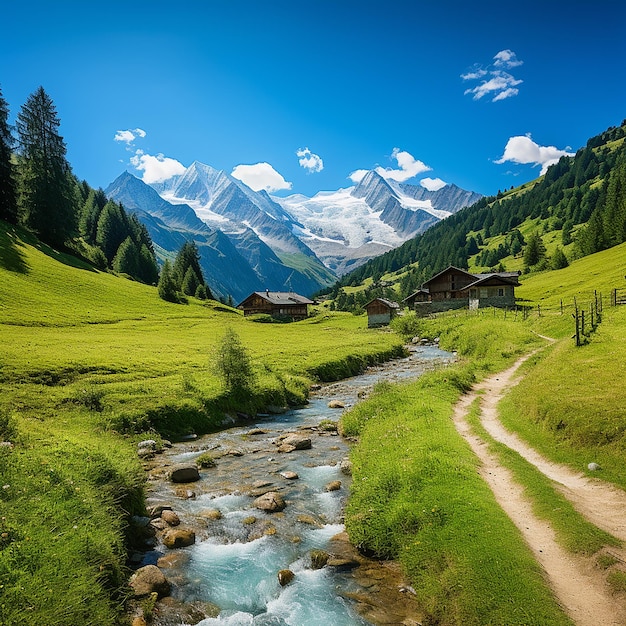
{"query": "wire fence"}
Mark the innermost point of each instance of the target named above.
(585, 309)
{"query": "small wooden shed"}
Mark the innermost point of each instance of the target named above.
(276, 304)
(380, 312)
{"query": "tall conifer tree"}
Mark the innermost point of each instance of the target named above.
(45, 196)
(8, 195)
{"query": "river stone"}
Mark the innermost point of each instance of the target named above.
(174, 611)
(305, 518)
(285, 576)
(148, 443)
(270, 502)
(319, 558)
(170, 517)
(336, 404)
(184, 473)
(256, 431)
(211, 514)
(149, 579)
(334, 485)
(593, 467)
(174, 560)
(294, 441)
(179, 538)
(289, 475)
(346, 467)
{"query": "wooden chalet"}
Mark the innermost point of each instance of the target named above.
(276, 304)
(380, 312)
(455, 288)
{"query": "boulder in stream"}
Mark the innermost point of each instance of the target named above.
(293, 441)
(149, 579)
(187, 473)
(271, 502)
(336, 404)
(179, 538)
(319, 558)
(285, 576)
(170, 517)
(334, 485)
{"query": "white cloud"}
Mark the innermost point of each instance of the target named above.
(309, 161)
(495, 83)
(409, 167)
(128, 136)
(260, 176)
(507, 59)
(357, 176)
(157, 168)
(432, 184)
(501, 85)
(523, 150)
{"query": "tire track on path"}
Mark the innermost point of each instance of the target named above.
(579, 586)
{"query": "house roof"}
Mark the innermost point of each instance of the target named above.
(511, 277)
(416, 293)
(493, 279)
(450, 267)
(389, 303)
(279, 298)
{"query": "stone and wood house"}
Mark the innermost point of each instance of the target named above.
(455, 288)
(286, 304)
(380, 312)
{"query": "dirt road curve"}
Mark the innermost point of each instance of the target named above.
(579, 585)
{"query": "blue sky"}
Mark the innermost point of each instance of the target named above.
(297, 97)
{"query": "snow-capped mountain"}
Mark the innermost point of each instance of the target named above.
(225, 203)
(234, 261)
(347, 227)
(294, 243)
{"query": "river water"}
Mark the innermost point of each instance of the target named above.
(239, 549)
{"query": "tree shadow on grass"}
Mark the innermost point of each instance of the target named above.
(12, 257)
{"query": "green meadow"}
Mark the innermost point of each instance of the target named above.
(92, 362)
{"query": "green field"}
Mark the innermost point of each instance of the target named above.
(92, 362)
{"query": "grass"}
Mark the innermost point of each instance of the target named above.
(91, 363)
(414, 479)
(416, 496)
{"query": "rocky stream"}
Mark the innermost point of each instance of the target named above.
(247, 523)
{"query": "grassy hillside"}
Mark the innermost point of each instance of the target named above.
(416, 495)
(89, 363)
(577, 206)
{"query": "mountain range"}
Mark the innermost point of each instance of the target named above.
(250, 240)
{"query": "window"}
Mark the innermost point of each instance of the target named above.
(501, 291)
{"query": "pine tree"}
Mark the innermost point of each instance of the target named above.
(167, 286)
(8, 193)
(535, 250)
(111, 230)
(46, 199)
(126, 260)
(558, 260)
(148, 272)
(188, 256)
(190, 282)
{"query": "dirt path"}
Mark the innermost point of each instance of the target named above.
(580, 587)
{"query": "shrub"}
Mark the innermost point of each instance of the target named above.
(205, 460)
(233, 363)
